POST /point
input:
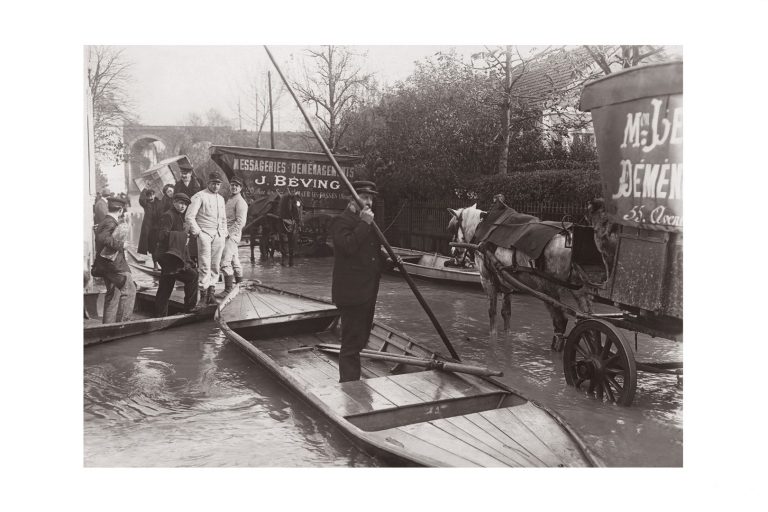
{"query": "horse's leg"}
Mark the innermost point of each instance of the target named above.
(506, 310)
(559, 322)
(291, 247)
(283, 248)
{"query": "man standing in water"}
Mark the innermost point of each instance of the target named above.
(357, 266)
(111, 265)
(236, 209)
(207, 220)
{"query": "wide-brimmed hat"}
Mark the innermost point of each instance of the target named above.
(181, 196)
(236, 181)
(214, 176)
(364, 187)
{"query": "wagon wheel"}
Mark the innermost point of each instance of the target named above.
(598, 359)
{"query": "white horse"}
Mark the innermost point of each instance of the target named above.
(555, 261)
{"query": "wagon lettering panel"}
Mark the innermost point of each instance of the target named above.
(641, 161)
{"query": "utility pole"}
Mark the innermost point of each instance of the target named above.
(506, 117)
(271, 117)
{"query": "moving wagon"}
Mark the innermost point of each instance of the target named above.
(638, 119)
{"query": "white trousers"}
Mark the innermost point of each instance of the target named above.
(209, 251)
(230, 259)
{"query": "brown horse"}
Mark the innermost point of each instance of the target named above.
(555, 261)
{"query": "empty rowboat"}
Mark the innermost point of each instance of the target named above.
(411, 407)
(433, 266)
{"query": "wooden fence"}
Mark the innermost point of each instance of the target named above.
(424, 226)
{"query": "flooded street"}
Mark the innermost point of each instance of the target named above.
(188, 397)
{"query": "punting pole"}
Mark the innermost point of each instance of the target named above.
(379, 234)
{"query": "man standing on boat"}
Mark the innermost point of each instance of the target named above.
(188, 184)
(357, 266)
(174, 258)
(236, 209)
(207, 220)
(111, 265)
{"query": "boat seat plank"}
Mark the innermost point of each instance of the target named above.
(513, 455)
(465, 448)
(520, 433)
(437, 455)
(558, 440)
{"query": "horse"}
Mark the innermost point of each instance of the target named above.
(555, 261)
(263, 216)
(290, 212)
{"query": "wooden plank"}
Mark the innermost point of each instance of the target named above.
(519, 432)
(452, 385)
(552, 434)
(507, 438)
(429, 432)
(367, 396)
(342, 403)
(393, 392)
(514, 456)
(461, 428)
(423, 449)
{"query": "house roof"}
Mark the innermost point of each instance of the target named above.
(558, 73)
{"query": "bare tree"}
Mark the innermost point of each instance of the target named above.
(614, 58)
(334, 88)
(108, 78)
(256, 105)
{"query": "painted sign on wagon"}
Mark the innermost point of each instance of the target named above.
(309, 175)
(640, 146)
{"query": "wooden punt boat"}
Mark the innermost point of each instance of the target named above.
(432, 266)
(403, 413)
(96, 332)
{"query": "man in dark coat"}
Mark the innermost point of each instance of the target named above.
(153, 209)
(357, 266)
(174, 258)
(111, 265)
(188, 184)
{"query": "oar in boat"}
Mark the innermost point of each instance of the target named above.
(430, 364)
(376, 229)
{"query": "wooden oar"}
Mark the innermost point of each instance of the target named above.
(430, 364)
(376, 229)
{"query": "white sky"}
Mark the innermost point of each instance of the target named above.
(170, 82)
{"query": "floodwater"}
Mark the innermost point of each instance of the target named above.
(188, 397)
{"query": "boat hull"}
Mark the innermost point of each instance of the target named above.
(409, 414)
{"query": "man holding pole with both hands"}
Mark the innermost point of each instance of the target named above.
(357, 265)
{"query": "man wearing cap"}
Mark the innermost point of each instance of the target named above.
(188, 184)
(236, 209)
(174, 258)
(357, 268)
(111, 265)
(207, 221)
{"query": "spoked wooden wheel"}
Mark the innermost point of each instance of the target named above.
(600, 361)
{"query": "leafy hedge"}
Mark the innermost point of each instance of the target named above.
(554, 186)
(543, 165)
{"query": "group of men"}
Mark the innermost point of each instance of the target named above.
(195, 239)
(216, 228)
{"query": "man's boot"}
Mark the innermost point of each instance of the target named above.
(210, 298)
(238, 279)
(202, 303)
(228, 286)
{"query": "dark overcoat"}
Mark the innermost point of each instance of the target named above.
(193, 188)
(103, 267)
(357, 262)
(172, 223)
(149, 225)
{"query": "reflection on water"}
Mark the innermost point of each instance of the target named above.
(188, 397)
